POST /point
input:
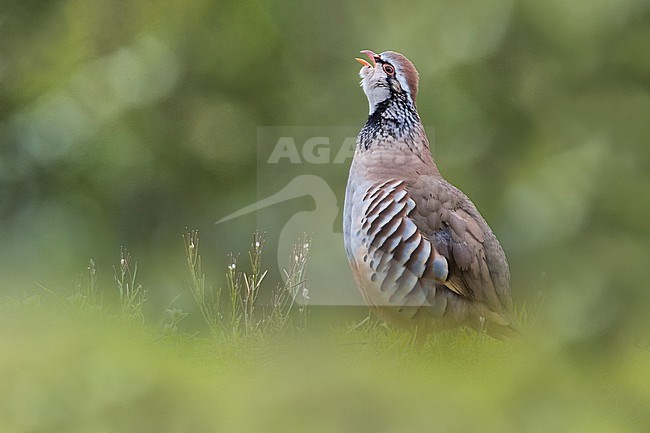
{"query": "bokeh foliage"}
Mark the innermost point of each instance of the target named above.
(123, 123)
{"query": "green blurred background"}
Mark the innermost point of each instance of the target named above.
(123, 123)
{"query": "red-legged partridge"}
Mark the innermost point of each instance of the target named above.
(420, 252)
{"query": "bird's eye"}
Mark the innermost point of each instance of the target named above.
(389, 69)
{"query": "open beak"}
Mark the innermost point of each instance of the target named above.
(371, 56)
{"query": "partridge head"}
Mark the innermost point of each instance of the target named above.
(420, 252)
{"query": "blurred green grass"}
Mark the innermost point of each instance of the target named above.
(82, 363)
(68, 373)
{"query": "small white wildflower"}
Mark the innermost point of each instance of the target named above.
(257, 244)
(123, 262)
(232, 266)
(305, 294)
(191, 245)
(306, 246)
(295, 258)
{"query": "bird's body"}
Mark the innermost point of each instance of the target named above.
(420, 251)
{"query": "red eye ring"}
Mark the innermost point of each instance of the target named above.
(389, 69)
